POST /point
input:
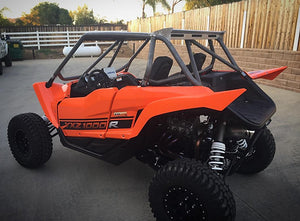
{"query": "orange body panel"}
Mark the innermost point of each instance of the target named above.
(94, 107)
(122, 114)
(269, 74)
(49, 98)
(163, 100)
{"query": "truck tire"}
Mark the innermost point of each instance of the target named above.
(186, 190)
(264, 151)
(7, 60)
(29, 140)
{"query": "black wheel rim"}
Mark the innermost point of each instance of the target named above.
(183, 204)
(22, 142)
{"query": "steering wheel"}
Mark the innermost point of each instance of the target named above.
(98, 79)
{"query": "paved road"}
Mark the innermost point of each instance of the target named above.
(73, 186)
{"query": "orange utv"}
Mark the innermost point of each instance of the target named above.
(194, 127)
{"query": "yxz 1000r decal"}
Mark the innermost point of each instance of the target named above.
(95, 124)
(100, 124)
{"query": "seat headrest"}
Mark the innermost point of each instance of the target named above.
(161, 68)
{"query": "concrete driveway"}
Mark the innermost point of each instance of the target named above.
(73, 186)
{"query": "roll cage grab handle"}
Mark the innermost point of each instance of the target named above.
(164, 35)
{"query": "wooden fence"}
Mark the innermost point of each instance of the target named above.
(261, 24)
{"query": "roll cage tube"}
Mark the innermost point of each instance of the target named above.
(102, 56)
(65, 61)
(232, 65)
(115, 54)
(127, 65)
(96, 36)
(192, 59)
(60, 67)
(164, 35)
(179, 61)
(150, 61)
(180, 77)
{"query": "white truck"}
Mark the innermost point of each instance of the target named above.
(4, 55)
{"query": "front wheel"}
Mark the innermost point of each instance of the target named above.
(29, 140)
(186, 190)
(264, 151)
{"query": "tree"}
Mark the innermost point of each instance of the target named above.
(83, 16)
(174, 3)
(30, 19)
(153, 4)
(102, 20)
(46, 13)
(3, 20)
(193, 4)
(19, 22)
(64, 17)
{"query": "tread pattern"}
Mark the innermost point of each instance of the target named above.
(37, 134)
(189, 173)
(265, 148)
(7, 60)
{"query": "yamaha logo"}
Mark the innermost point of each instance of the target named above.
(120, 114)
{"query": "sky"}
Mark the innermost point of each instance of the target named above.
(112, 10)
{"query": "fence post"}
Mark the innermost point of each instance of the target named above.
(38, 40)
(68, 37)
(207, 28)
(243, 30)
(182, 27)
(296, 39)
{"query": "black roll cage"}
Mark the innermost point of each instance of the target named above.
(165, 35)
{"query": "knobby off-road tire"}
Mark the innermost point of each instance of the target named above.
(186, 190)
(1, 67)
(262, 157)
(7, 60)
(29, 140)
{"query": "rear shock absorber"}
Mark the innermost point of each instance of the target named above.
(218, 148)
(242, 144)
(216, 158)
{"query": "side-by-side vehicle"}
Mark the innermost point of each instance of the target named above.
(195, 126)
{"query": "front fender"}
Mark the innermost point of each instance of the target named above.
(49, 98)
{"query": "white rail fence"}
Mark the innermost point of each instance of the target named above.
(48, 39)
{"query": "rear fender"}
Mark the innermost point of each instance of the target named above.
(269, 74)
(214, 100)
(50, 97)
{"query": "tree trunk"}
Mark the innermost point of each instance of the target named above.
(143, 10)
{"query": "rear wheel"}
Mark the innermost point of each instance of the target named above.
(29, 140)
(186, 190)
(264, 151)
